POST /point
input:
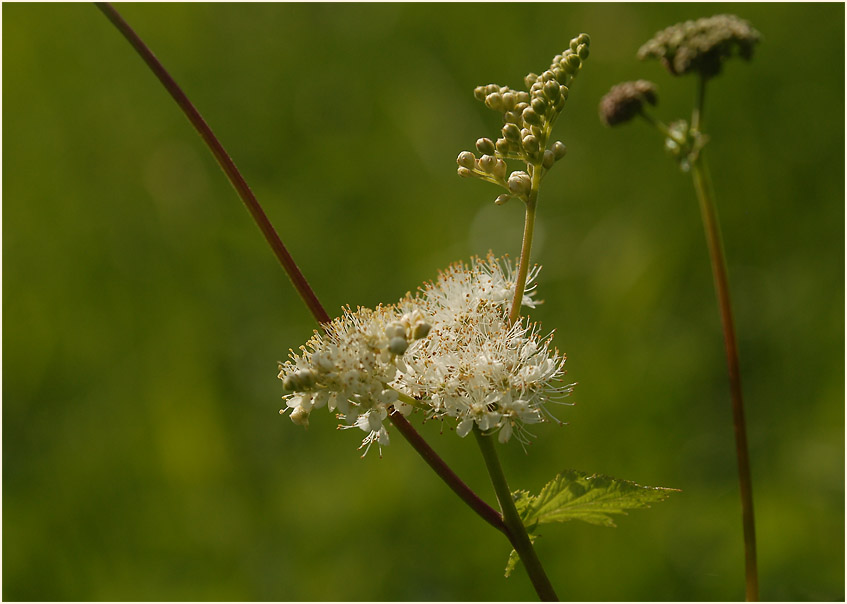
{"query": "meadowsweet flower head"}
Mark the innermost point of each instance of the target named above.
(702, 45)
(450, 350)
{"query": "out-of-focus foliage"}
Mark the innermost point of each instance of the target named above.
(143, 315)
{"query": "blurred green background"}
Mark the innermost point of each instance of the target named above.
(143, 315)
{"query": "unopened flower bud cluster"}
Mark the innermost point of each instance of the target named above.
(528, 118)
(449, 350)
(702, 45)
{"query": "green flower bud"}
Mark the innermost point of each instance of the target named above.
(509, 100)
(512, 117)
(485, 146)
(479, 93)
(511, 132)
(572, 63)
(501, 199)
(582, 51)
(486, 163)
(548, 159)
(491, 89)
(494, 101)
(531, 117)
(584, 39)
(299, 381)
(464, 172)
(395, 329)
(523, 96)
(559, 150)
(300, 417)
(397, 345)
(502, 146)
(530, 143)
(519, 183)
(289, 383)
(466, 159)
(560, 74)
(547, 76)
(499, 171)
(529, 79)
(421, 330)
(539, 105)
(573, 44)
(551, 91)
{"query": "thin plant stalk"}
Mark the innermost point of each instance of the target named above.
(485, 511)
(526, 245)
(441, 468)
(711, 226)
(702, 184)
(227, 165)
(517, 531)
(517, 534)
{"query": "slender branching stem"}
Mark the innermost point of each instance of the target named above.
(526, 246)
(517, 534)
(292, 270)
(657, 123)
(485, 511)
(702, 185)
(441, 468)
(699, 100)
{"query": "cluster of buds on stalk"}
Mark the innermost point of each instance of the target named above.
(528, 118)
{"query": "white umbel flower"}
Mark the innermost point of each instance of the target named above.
(450, 348)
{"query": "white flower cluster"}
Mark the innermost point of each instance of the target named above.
(449, 350)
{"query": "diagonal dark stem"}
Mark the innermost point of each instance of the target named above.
(300, 284)
(486, 512)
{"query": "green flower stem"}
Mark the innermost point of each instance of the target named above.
(485, 511)
(516, 530)
(526, 246)
(659, 125)
(702, 184)
(488, 513)
(224, 160)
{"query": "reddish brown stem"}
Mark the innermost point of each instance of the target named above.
(291, 269)
(485, 511)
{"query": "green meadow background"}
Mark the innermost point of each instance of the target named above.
(144, 315)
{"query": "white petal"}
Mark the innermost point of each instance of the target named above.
(464, 427)
(505, 432)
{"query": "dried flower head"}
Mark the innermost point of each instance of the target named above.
(624, 101)
(701, 45)
(449, 350)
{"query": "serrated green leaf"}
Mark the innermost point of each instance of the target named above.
(514, 558)
(574, 495)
